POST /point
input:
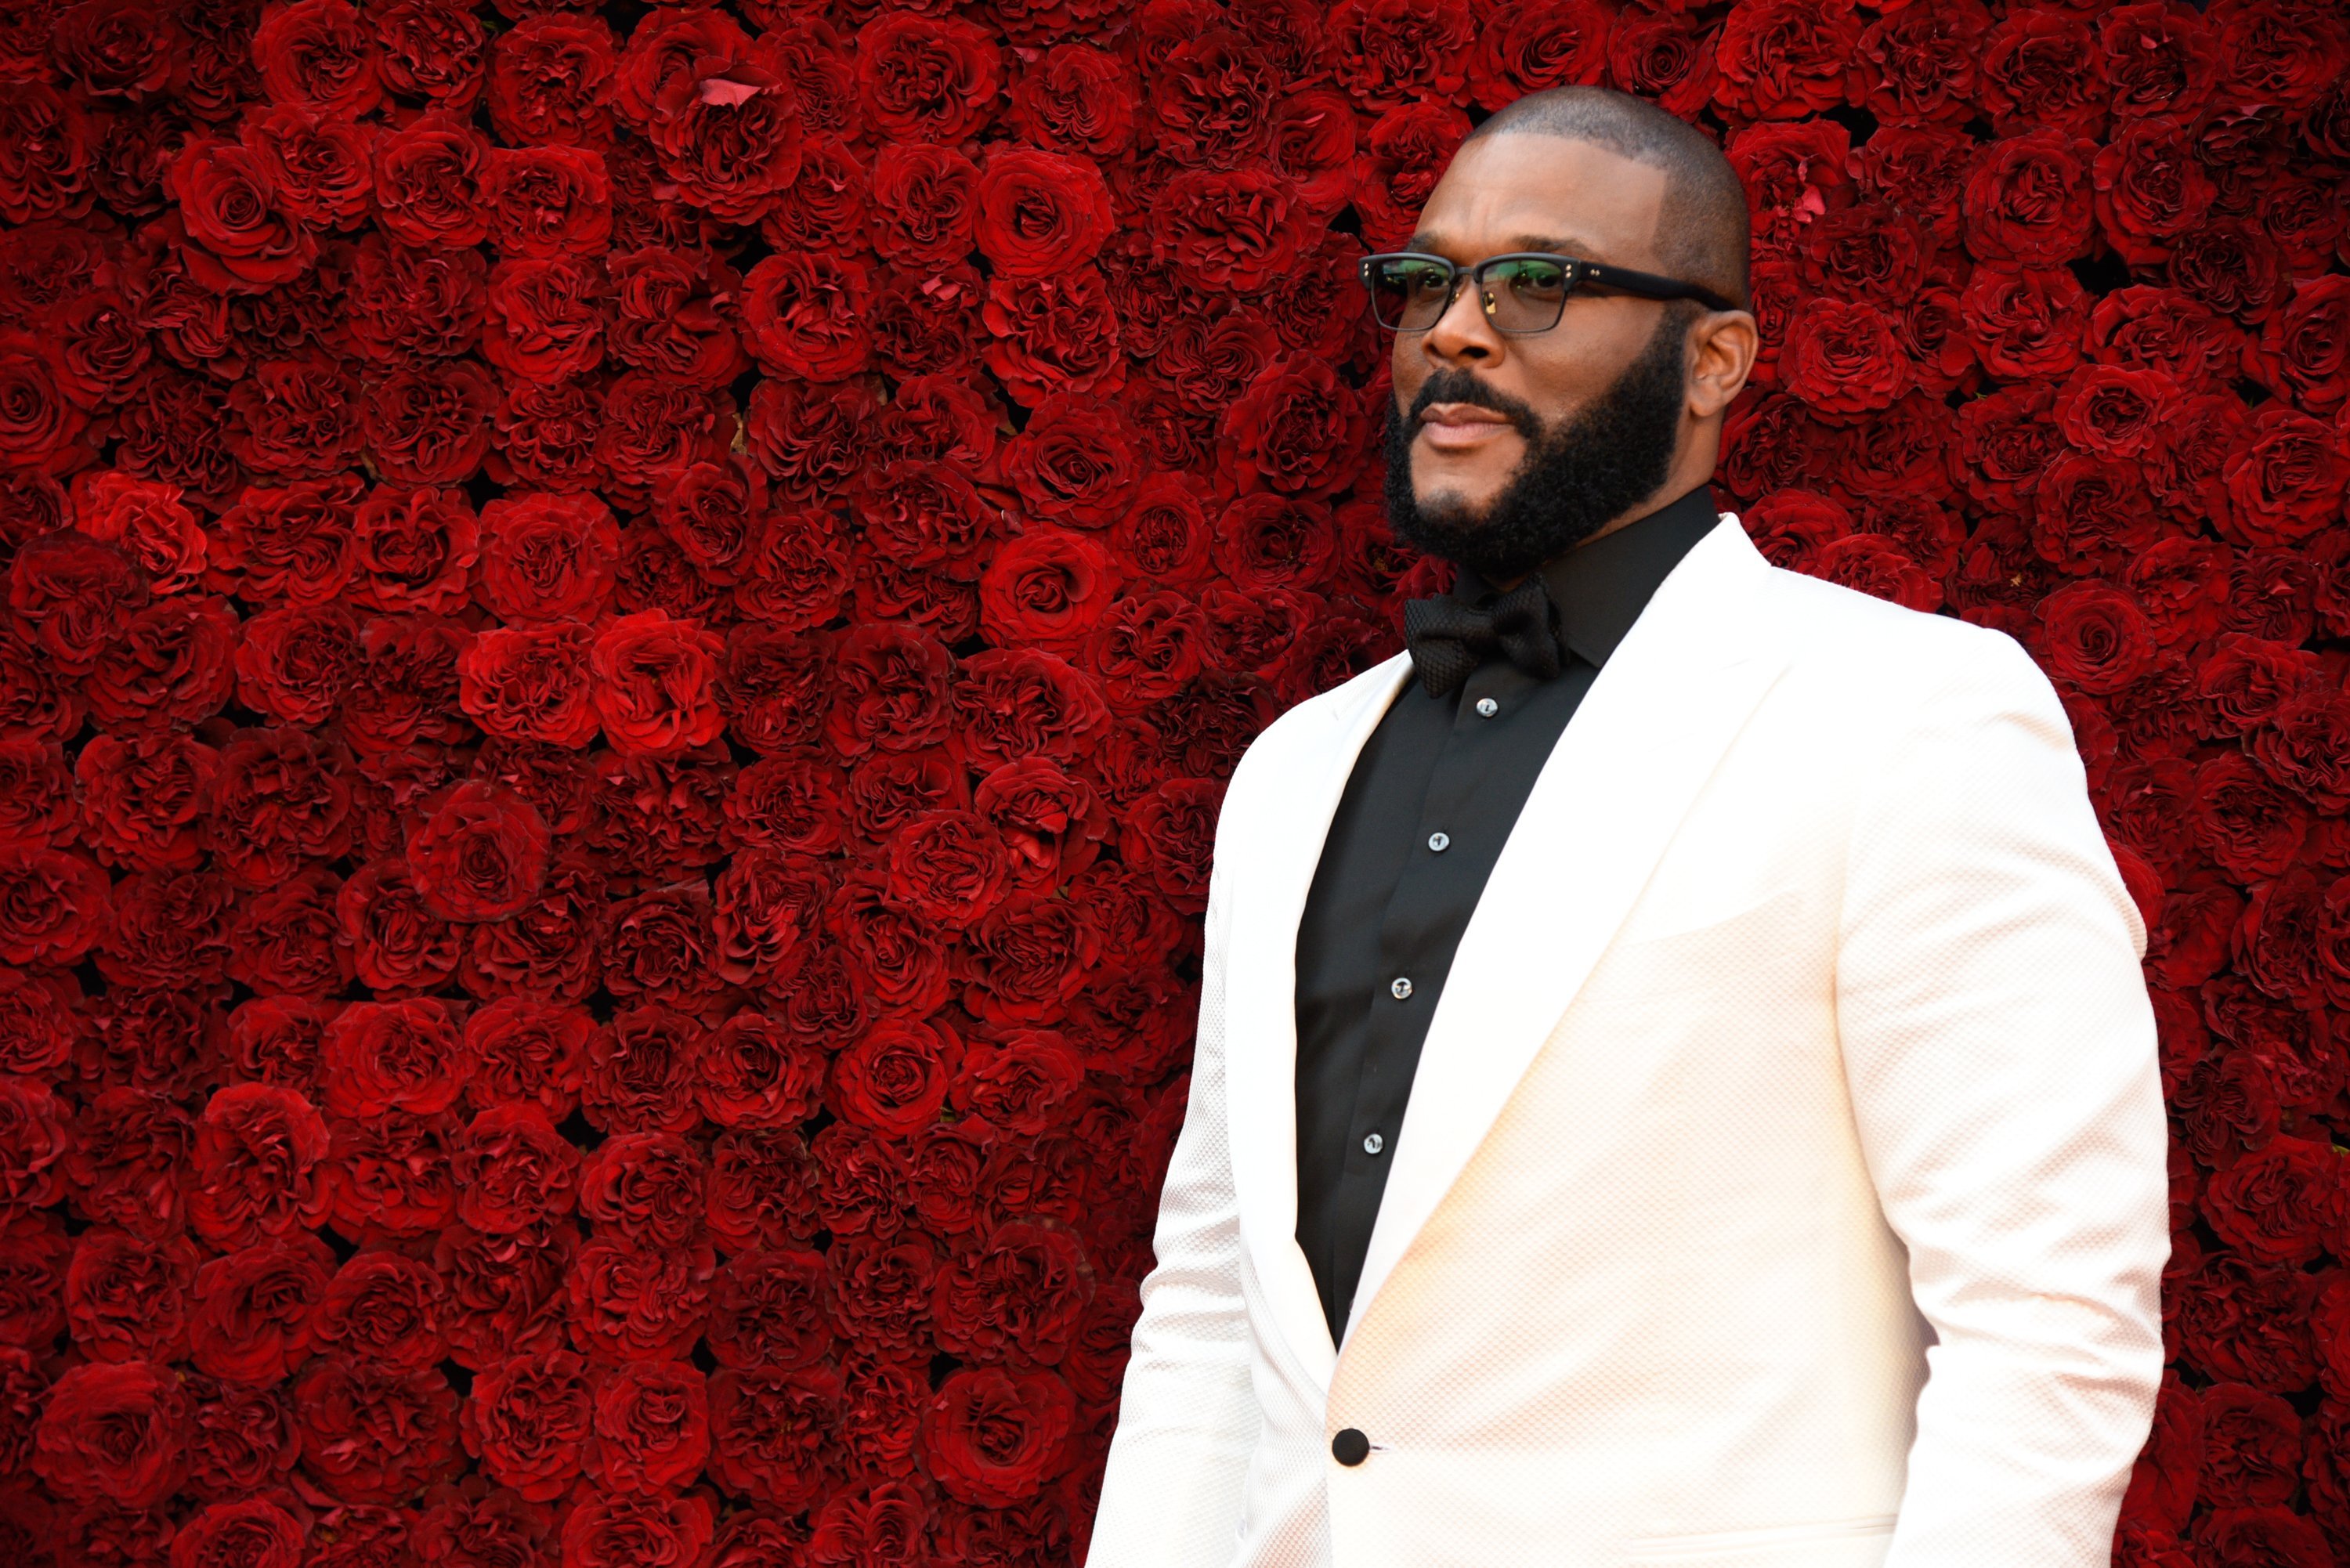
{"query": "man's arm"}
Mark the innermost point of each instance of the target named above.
(2001, 1050)
(1188, 1415)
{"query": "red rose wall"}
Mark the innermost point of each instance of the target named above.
(624, 627)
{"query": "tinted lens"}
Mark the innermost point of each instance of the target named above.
(1527, 295)
(1410, 295)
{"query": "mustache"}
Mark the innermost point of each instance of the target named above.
(1450, 386)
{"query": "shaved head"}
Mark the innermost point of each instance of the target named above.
(1701, 231)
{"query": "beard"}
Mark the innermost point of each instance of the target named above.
(1571, 482)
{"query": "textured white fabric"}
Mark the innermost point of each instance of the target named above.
(1783, 1181)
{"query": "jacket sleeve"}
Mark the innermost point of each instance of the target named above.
(1188, 1414)
(1999, 1046)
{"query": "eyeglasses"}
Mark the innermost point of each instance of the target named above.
(1524, 291)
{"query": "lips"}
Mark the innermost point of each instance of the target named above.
(1461, 426)
(1460, 414)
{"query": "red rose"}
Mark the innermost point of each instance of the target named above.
(505, 1293)
(2098, 639)
(2271, 1537)
(1313, 141)
(770, 1428)
(372, 1433)
(430, 425)
(992, 1437)
(128, 1160)
(1074, 462)
(70, 594)
(2252, 1446)
(406, 300)
(528, 1051)
(2286, 480)
(128, 1299)
(755, 1075)
(236, 238)
(2149, 188)
(1047, 588)
(114, 1432)
(391, 1177)
(513, 1171)
(1388, 53)
(482, 856)
(528, 1422)
(293, 543)
(769, 1309)
(149, 522)
(318, 54)
(894, 1078)
(1404, 152)
(549, 80)
(547, 558)
(407, 1055)
(801, 314)
(638, 1071)
(1551, 48)
(1236, 229)
(1784, 58)
(257, 1157)
(650, 1431)
(1295, 429)
(532, 682)
(320, 166)
(385, 1308)
(609, 1531)
(53, 906)
(428, 180)
(2283, 1203)
(2027, 201)
(543, 318)
(1061, 334)
(2160, 62)
(1014, 1295)
(1040, 211)
(295, 662)
(252, 1533)
(2024, 324)
(1843, 359)
(2042, 68)
(1074, 99)
(927, 78)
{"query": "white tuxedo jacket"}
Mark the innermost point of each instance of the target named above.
(1783, 1183)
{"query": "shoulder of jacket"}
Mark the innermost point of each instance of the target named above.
(1858, 638)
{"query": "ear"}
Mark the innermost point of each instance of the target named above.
(1722, 344)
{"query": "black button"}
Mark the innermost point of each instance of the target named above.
(1350, 1447)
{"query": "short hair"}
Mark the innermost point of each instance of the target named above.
(1702, 233)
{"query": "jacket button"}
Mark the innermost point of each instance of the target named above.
(1350, 1447)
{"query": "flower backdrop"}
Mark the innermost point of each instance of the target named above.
(624, 625)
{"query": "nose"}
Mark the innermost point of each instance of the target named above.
(1464, 333)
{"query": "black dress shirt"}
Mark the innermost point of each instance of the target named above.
(1432, 799)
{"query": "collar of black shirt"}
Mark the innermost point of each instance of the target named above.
(1600, 587)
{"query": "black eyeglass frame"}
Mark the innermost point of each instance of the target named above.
(1578, 272)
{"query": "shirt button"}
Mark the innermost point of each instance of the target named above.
(1373, 1143)
(1350, 1447)
(1487, 707)
(1401, 988)
(1440, 842)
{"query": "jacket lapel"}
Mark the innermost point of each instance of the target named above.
(1643, 742)
(1283, 845)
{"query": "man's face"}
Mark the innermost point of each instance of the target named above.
(1544, 420)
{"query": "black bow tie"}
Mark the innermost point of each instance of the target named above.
(1449, 640)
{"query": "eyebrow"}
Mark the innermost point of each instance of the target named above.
(1561, 245)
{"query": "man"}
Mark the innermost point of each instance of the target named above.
(1674, 1081)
